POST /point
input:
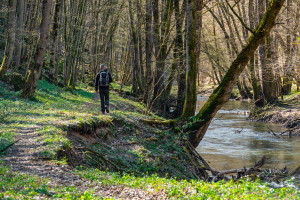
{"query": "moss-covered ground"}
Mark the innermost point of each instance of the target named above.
(117, 150)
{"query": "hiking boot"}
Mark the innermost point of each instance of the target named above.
(103, 112)
(106, 109)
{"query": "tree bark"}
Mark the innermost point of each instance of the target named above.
(179, 51)
(12, 4)
(20, 33)
(266, 67)
(288, 67)
(198, 126)
(252, 65)
(148, 49)
(189, 107)
(160, 42)
(35, 73)
(54, 35)
(136, 80)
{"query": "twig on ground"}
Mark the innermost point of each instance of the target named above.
(7, 147)
(245, 171)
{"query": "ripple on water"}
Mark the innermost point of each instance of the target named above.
(232, 141)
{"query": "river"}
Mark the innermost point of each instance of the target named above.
(232, 141)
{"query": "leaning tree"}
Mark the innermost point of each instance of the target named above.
(198, 125)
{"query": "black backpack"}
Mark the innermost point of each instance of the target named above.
(104, 78)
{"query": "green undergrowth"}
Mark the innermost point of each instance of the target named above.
(121, 140)
(118, 143)
(194, 189)
(289, 102)
(52, 110)
(24, 186)
(117, 86)
(294, 97)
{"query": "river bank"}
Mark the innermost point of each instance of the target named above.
(286, 113)
(67, 150)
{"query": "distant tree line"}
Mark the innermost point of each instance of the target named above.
(164, 49)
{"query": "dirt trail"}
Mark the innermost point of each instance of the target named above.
(22, 158)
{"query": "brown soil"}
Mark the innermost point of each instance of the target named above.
(288, 116)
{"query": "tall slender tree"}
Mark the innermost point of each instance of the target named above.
(189, 107)
(20, 32)
(10, 46)
(54, 41)
(36, 69)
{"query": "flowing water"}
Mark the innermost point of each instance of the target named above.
(232, 141)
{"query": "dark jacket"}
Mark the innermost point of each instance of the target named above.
(97, 81)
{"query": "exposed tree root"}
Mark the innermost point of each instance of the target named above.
(243, 171)
(170, 123)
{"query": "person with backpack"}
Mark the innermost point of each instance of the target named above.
(103, 79)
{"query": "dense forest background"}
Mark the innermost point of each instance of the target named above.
(164, 49)
(56, 143)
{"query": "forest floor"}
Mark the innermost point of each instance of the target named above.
(65, 149)
(285, 112)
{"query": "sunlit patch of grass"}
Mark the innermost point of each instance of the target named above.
(193, 189)
(53, 109)
(52, 139)
(6, 138)
(127, 104)
(117, 86)
(292, 96)
(24, 186)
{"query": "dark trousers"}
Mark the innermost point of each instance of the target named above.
(104, 96)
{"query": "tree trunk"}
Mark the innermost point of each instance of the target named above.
(242, 92)
(20, 33)
(136, 80)
(160, 42)
(266, 67)
(221, 94)
(77, 44)
(53, 49)
(165, 91)
(140, 48)
(158, 81)
(35, 73)
(253, 78)
(148, 48)
(181, 70)
(288, 66)
(12, 4)
(189, 107)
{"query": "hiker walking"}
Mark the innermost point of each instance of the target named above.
(103, 79)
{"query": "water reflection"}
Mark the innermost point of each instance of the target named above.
(233, 142)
